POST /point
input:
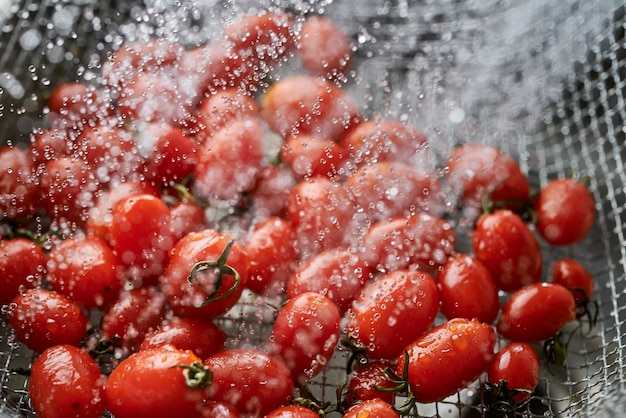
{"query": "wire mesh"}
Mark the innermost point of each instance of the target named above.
(544, 80)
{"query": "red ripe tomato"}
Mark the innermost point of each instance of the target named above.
(78, 102)
(370, 409)
(310, 156)
(447, 358)
(387, 189)
(50, 143)
(251, 380)
(476, 170)
(84, 270)
(159, 382)
(133, 315)
(65, 382)
(100, 218)
(18, 188)
(273, 255)
(22, 266)
(220, 109)
(229, 162)
(42, 319)
(565, 211)
(305, 334)
(186, 216)
(324, 48)
(384, 140)
(573, 275)
(392, 311)
(303, 104)
(321, 213)
(141, 236)
(517, 364)
(467, 289)
(419, 241)
(536, 312)
(173, 156)
(338, 273)
(214, 288)
(292, 411)
(67, 189)
(271, 191)
(367, 378)
(509, 249)
(203, 338)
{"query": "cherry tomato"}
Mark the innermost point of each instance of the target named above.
(517, 364)
(365, 380)
(565, 211)
(337, 273)
(303, 104)
(271, 191)
(310, 156)
(386, 189)
(509, 249)
(173, 155)
(447, 358)
(84, 270)
(324, 48)
(141, 236)
(50, 143)
(392, 311)
(77, 102)
(536, 312)
(370, 409)
(384, 140)
(251, 380)
(467, 289)
(230, 161)
(186, 216)
(18, 188)
(22, 266)
(42, 319)
(419, 241)
(135, 313)
(273, 255)
(475, 170)
(305, 334)
(292, 411)
(66, 382)
(321, 213)
(203, 338)
(213, 289)
(159, 382)
(573, 275)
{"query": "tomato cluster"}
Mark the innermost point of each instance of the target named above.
(154, 200)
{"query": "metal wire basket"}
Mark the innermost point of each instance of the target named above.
(543, 80)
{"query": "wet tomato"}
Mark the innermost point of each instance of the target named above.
(135, 313)
(84, 270)
(77, 102)
(573, 275)
(305, 334)
(18, 185)
(310, 156)
(366, 379)
(65, 382)
(251, 380)
(203, 338)
(187, 216)
(22, 266)
(447, 358)
(392, 311)
(370, 409)
(214, 409)
(273, 255)
(337, 273)
(323, 47)
(42, 319)
(292, 411)
(200, 279)
(467, 289)
(159, 382)
(509, 249)
(517, 365)
(476, 171)
(565, 211)
(271, 191)
(173, 155)
(536, 312)
(419, 241)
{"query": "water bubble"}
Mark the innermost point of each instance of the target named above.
(30, 39)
